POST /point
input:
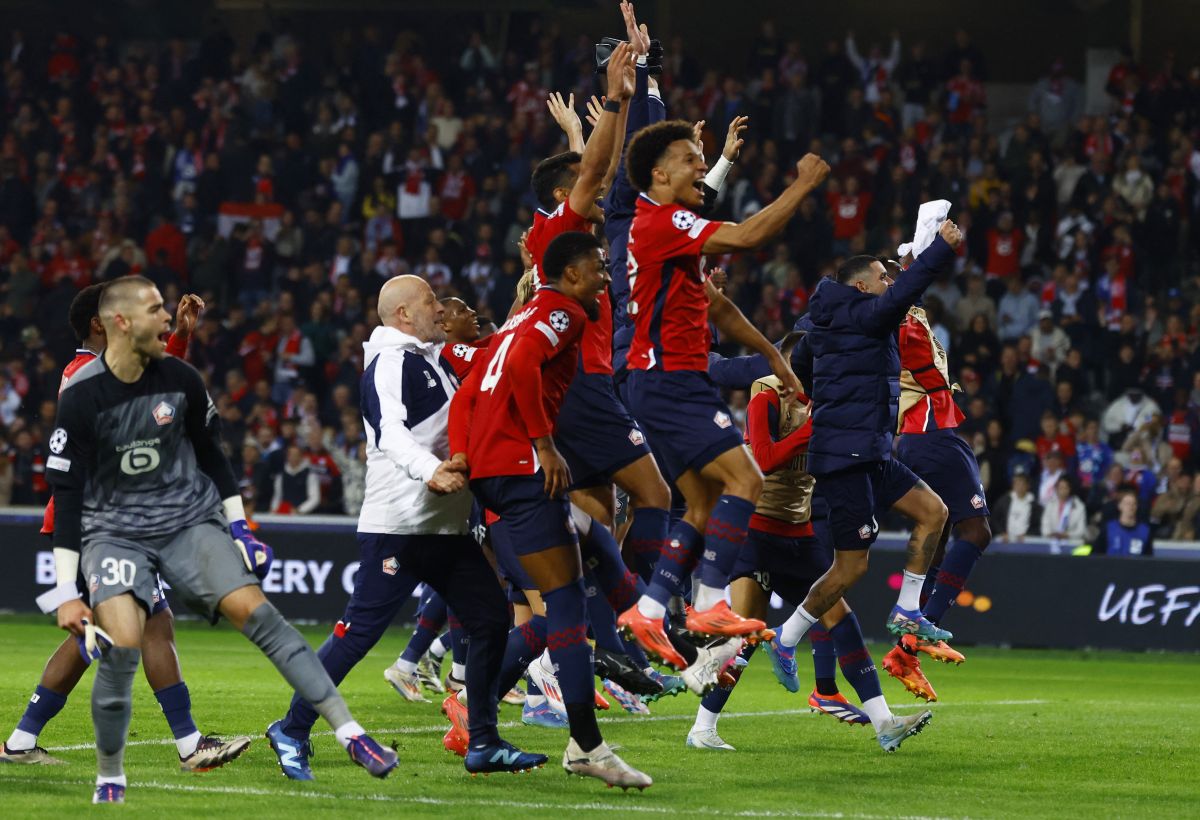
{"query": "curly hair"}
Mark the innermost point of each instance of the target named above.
(84, 307)
(647, 148)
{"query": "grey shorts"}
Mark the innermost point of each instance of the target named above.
(200, 563)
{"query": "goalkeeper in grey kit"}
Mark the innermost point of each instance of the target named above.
(142, 488)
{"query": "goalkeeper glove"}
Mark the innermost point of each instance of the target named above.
(257, 555)
(94, 643)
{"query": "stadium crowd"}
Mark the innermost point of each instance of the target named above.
(284, 185)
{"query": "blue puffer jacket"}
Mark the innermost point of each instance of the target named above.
(852, 339)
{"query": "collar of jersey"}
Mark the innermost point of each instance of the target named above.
(384, 336)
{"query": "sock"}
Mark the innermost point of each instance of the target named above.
(459, 671)
(112, 706)
(795, 627)
(723, 539)
(674, 563)
(927, 587)
(407, 667)
(176, 703)
(566, 638)
(707, 597)
(116, 779)
(458, 641)
(714, 702)
(43, 705)
(824, 661)
(633, 650)
(533, 695)
(602, 559)
(441, 646)
(647, 533)
(346, 731)
(960, 559)
(430, 619)
(297, 662)
(855, 659)
(910, 591)
(879, 713)
(601, 618)
(706, 718)
(525, 642)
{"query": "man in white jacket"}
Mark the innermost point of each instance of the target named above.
(413, 527)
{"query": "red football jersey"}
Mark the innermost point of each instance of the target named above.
(462, 357)
(596, 347)
(666, 288)
(515, 394)
(919, 354)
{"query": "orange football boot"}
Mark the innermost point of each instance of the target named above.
(602, 702)
(902, 664)
(723, 621)
(940, 651)
(649, 633)
(457, 739)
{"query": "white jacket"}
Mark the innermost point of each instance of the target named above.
(406, 392)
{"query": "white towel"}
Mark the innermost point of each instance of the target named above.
(929, 217)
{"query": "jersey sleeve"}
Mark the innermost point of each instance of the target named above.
(762, 430)
(177, 346)
(462, 409)
(72, 450)
(552, 330)
(394, 437)
(203, 424)
(676, 232)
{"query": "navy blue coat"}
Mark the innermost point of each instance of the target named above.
(852, 340)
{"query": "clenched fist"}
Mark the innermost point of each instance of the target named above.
(811, 171)
(950, 232)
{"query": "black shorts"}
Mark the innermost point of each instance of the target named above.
(856, 495)
(947, 464)
(784, 565)
(596, 434)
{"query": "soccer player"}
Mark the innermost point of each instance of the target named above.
(783, 555)
(65, 668)
(670, 391)
(139, 483)
(501, 425)
(413, 528)
(931, 447)
(855, 361)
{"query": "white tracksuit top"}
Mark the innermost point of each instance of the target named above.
(406, 390)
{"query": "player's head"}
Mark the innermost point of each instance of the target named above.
(132, 311)
(459, 321)
(84, 314)
(574, 263)
(666, 158)
(409, 305)
(866, 273)
(554, 177)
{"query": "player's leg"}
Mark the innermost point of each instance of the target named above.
(456, 680)
(123, 618)
(160, 663)
(403, 674)
(970, 538)
(649, 507)
(62, 672)
(929, 516)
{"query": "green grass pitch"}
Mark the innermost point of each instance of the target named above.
(1016, 734)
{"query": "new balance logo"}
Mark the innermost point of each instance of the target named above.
(505, 756)
(289, 756)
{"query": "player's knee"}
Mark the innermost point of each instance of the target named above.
(935, 514)
(747, 484)
(851, 565)
(977, 531)
(653, 493)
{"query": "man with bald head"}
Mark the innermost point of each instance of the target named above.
(413, 528)
(142, 488)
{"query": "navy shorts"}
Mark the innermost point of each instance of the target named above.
(856, 495)
(530, 520)
(948, 466)
(781, 564)
(596, 434)
(507, 561)
(684, 416)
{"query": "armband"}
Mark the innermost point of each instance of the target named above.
(612, 106)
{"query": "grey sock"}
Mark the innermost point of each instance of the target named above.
(112, 705)
(297, 662)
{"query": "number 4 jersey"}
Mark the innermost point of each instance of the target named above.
(514, 395)
(135, 460)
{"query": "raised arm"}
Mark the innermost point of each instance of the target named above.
(597, 155)
(734, 326)
(882, 315)
(755, 231)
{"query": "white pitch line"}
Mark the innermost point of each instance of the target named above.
(624, 805)
(439, 728)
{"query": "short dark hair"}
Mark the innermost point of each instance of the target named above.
(564, 250)
(120, 289)
(552, 172)
(648, 147)
(854, 268)
(85, 307)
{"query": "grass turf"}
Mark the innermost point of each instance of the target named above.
(1017, 733)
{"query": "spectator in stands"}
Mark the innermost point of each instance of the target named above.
(1064, 519)
(1018, 512)
(297, 489)
(1017, 311)
(1057, 100)
(1125, 534)
(1127, 413)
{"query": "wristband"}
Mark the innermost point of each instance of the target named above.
(716, 175)
(234, 509)
(612, 106)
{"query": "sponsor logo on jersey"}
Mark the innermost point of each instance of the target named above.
(683, 220)
(58, 441)
(390, 566)
(559, 320)
(977, 502)
(636, 438)
(163, 413)
(63, 465)
(722, 420)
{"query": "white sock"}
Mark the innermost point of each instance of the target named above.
(439, 648)
(707, 597)
(187, 745)
(20, 741)
(910, 591)
(705, 719)
(795, 627)
(877, 710)
(651, 608)
(407, 667)
(462, 696)
(118, 780)
(459, 671)
(347, 731)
